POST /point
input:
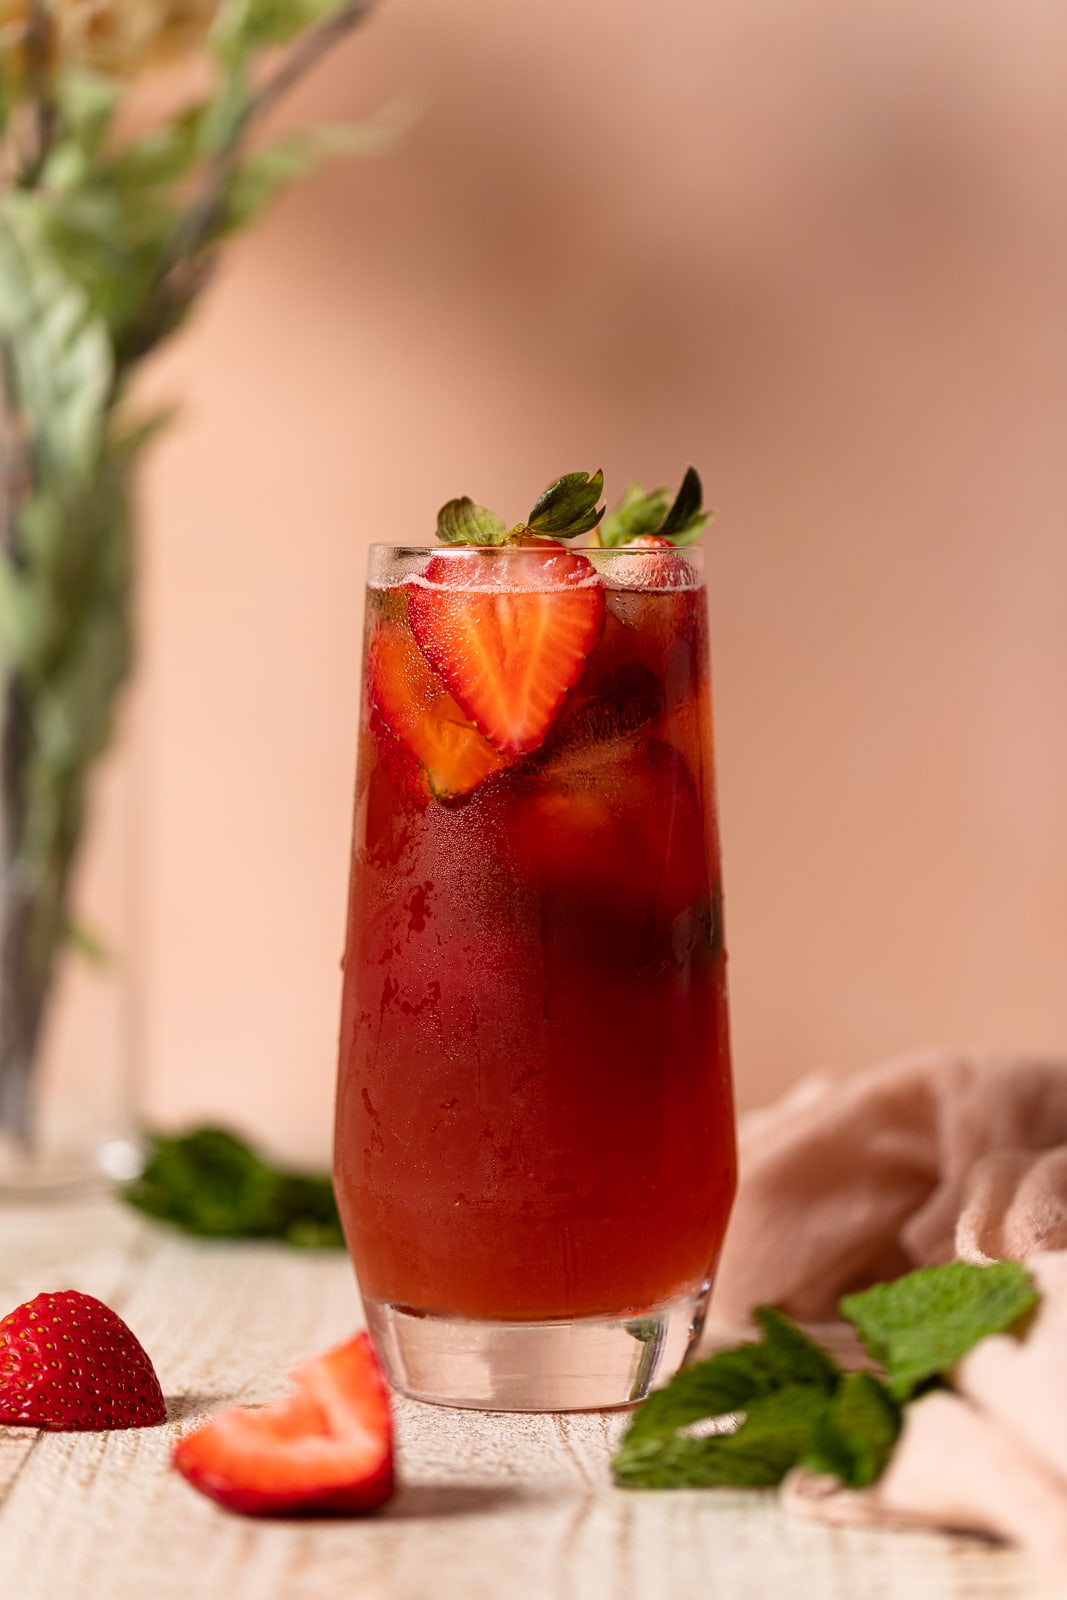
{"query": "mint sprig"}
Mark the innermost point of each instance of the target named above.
(567, 508)
(798, 1407)
(654, 515)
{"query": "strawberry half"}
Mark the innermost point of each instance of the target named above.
(328, 1448)
(509, 633)
(68, 1362)
(427, 740)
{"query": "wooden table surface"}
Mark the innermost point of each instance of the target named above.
(490, 1505)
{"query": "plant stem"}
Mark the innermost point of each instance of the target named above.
(306, 55)
(187, 263)
(38, 32)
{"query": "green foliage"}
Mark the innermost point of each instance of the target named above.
(107, 237)
(61, 358)
(211, 1183)
(782, 1402)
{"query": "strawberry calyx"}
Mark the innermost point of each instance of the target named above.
(652, 521)
(567, 508)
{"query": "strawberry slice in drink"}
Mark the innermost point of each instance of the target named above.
(427, 742)
(650, 562)
(508, 631)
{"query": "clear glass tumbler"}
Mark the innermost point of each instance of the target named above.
(535, 1156)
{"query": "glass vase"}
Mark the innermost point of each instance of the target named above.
(67, 1091)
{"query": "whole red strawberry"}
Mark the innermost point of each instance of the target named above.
(67, 1361)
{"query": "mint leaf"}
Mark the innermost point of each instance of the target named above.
(462, 522)
(729, 1380)
(920, 1325)
(778, 1432)
(568, 506)
(792, 1357)
(854, 1438)
(210, 1182)
(638, 515)
(681, 1463)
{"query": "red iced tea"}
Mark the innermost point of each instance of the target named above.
(534, 1109)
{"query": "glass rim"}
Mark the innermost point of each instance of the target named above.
(690, 552)
(619, 567)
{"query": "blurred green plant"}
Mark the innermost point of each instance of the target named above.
(109, 232)
(212, 1183)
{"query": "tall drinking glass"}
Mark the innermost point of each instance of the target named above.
(534, 1152)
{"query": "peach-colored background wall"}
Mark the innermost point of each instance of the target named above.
(819, 250)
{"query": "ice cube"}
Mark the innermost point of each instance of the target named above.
(603, 715)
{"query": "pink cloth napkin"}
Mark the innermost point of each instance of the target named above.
(929, 1157)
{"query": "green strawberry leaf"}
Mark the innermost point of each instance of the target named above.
(636, 516)
(639, 515)
(685, 513)
(568, 506)
(920, 1325)
(462, 522)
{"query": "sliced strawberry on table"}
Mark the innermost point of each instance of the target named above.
(509, 633)
(327, 1448)
(426, 738)
(67, 1361)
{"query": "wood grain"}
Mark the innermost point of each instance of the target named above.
(520, 1507)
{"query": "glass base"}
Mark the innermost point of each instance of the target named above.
(51, 1173)
(588, 1364)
